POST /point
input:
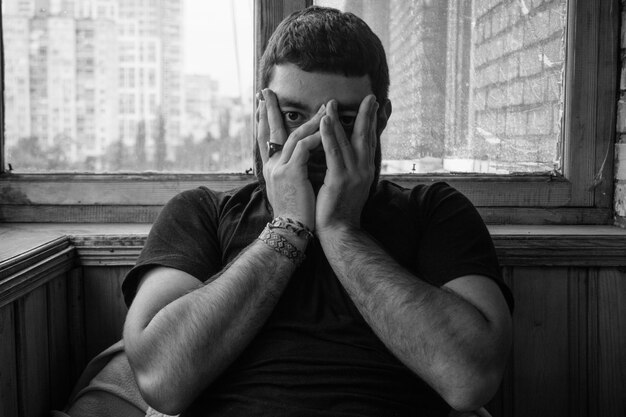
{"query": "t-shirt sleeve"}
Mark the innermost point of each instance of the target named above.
(454, 241)
(184, 237)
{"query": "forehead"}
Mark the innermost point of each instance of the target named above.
(312, 89)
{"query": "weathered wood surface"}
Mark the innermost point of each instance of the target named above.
(8, 363)
(120, 190)
(33, 362)
(148, 214)
(569, 321)
(104, 307)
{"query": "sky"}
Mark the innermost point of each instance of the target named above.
(210, 45)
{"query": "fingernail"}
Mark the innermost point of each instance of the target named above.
(259, 96)
(322, 109)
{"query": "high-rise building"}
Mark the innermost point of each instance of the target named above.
(53, 82)
(201, 115)
(17, 80)
(97, 85)
(84, 74)
(15, 8)
(149, 36)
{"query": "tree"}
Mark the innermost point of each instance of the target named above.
(160, 148)
(140, 144)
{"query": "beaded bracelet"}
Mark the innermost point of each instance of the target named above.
(294, 226)
(281, 245)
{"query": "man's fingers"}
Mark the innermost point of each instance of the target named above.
(304, 147)
(334, 157)
(303, 131)
(373, 137)
(263, 130)
(362, 134)
(277, 133)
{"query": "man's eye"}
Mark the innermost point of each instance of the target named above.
(292, 117)
(347, 121)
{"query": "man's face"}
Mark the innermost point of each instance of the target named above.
(300, 95)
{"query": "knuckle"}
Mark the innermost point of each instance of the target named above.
(335, 151)
(274, 130)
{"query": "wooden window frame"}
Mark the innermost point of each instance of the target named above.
(582, 195)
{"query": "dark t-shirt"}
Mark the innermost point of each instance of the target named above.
(316, 356)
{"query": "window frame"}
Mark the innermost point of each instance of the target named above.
(582, 195)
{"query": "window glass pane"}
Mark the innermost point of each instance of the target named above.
(128, 85)
(476, 85)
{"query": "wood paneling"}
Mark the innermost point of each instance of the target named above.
(569, 321)
(76, 321)
(35, 273)
(577, 342)
(59, 342)
(610, 351)
(33, 347)
(540, 362)
(104, 307)
(8, 363)
(147, 214)
(120, 190)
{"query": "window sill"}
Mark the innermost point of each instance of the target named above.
(138, 197)
(25, 245)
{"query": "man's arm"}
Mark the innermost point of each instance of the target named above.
(180, 334)
(456, 338)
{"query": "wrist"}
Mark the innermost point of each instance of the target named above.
(277, 242)
(300, 242)
(337, 231)
(295, 227)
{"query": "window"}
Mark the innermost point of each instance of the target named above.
(145, 75)
(476, 86)
(580, 192)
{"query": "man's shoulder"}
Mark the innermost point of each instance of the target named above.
(419, 194)
(204, 196)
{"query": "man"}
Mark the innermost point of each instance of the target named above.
(318, 290)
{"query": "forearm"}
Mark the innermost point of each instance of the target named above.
(441, 337)
(189, 342)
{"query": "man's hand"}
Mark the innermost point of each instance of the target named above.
(350, 167)
(288, 187)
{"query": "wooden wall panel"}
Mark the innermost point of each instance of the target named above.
(611, 343)
(567, 357)
(32, 345)
(104, 307)
(76, 321)
(8, 360)
(502, 403)
(578, 341)
(59, 342)
(540, 361)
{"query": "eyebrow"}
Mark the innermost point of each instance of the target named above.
(288, 102)
(295, 104)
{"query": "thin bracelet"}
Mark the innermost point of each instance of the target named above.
(294, 226)
(281, 245)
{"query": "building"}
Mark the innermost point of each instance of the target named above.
(150, 67)
(17, 78)
(97, 86)
(82, 75)
(53, 82)
(201, 107)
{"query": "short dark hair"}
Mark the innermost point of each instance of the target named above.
(322, 39)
